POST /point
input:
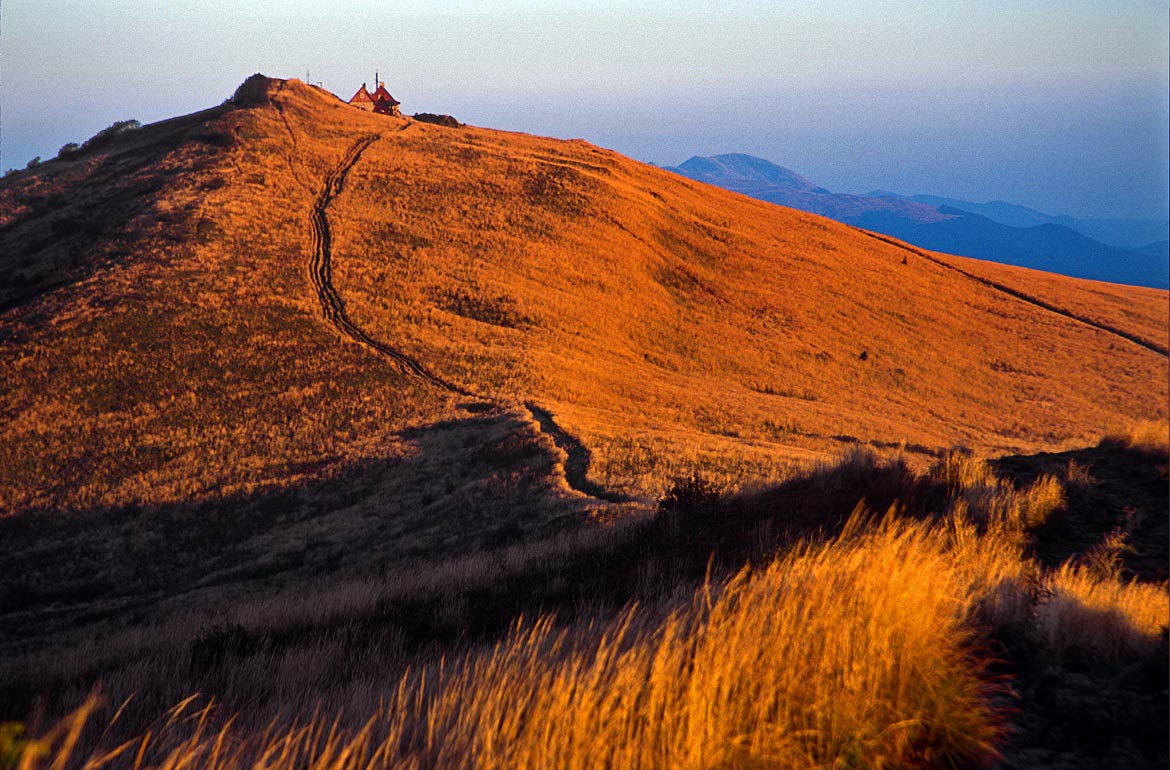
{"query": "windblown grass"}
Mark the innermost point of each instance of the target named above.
(868, 648)
(858, 653)
(976, 490)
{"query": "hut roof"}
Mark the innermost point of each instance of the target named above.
(381, 93)
(362, 95)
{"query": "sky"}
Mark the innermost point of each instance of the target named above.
(1059, 105)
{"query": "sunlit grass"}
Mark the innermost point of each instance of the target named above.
(859, 651)
(1101, 615)
(866, 650)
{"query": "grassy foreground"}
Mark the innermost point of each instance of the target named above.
(889, 644)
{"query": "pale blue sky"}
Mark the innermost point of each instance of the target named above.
(1057, 105)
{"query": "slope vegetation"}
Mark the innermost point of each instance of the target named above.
(199, 347)
(353, 423)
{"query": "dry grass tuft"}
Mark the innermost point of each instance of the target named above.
(995, 502)
(1150, 435)
(1102, 616)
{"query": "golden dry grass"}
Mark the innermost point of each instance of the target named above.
(186, 373)
(856, 652)
(1151, 435)
(662, 322)
(1101, 615)
(977, 491)
(862, 652)
(866, 650)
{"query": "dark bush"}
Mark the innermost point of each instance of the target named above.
(438, 120)
(68, 150)
(217, 138)
(253, 92)
(109, 134)
(34, 162)
(689, 498)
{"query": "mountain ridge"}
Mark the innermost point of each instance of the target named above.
(657, 323)
(997, 231)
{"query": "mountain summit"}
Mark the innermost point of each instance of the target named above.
(726, 170)
(284, 290)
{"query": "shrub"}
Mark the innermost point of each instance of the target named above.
(68, 150)
(217, 138)
(438, 120)
(34, 162)
(688, 498)
(109, 134)
(253, 92)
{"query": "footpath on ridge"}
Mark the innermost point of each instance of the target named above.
(333, 309)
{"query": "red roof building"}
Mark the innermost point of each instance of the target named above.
(362, 99)
(384, 103)
(380, 101)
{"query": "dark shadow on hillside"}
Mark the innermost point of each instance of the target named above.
(463, 486)
(1108, 487)
(1076, 709)
(581, 573)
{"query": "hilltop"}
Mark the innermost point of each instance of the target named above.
(302, 399)
(661, 322)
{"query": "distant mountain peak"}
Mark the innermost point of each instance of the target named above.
(745, 170)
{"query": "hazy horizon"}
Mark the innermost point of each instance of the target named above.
(1065, 113)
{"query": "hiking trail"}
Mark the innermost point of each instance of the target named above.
(333, 308)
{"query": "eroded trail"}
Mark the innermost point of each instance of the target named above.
(321, 271)
(577, 464)
(333, 308)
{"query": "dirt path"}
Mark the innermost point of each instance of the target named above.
(333, 308)
(321, 272)
(577, 464)
(1150, 346)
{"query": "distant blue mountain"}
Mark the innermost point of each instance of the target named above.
(995, 231)
(1121, 233)
(746, 171)
(1049, 247)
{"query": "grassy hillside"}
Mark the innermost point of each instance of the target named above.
(1014, 609)
(661, 323)
(328, 415)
